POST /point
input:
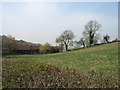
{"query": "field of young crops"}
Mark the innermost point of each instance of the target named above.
(95, 66)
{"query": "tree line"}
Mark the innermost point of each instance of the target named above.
(89, 37)
(11, 46)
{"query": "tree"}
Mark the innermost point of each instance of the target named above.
(8, 44)
(90, 31)
(66, 38)
(106, 38)
(80, 42)
(61, 46)
(47, 48)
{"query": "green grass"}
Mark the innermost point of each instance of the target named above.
(93, 67)
(102, 57)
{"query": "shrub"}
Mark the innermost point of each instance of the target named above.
(47, 48)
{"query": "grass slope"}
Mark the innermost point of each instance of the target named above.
(93, 67)
(102, 57)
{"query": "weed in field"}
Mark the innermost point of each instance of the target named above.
(20, 74)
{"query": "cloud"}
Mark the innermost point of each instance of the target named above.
(43, 22)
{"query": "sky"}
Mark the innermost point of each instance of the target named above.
(42, 22)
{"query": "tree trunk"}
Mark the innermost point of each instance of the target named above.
(91, 41)
(83, 44)
(106, 40)
(66, 47)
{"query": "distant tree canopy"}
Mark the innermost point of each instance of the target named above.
(47, 48)
(90, 30)
(12, 46)
(66, 38)
(8, 44)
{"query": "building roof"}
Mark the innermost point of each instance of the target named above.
(27, 47)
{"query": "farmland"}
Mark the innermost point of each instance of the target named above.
(95, 66)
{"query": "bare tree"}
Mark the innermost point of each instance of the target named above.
(80, 42)
(106, 38)
(90, 31)
(66, 38)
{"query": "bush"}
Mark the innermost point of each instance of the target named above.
(47, 48)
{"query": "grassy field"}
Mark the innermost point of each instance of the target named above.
(101, 59)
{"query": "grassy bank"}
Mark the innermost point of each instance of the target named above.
(90, 67)
(103, 57)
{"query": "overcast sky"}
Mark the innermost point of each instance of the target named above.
(43, 22)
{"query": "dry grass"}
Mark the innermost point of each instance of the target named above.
(19, 74)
